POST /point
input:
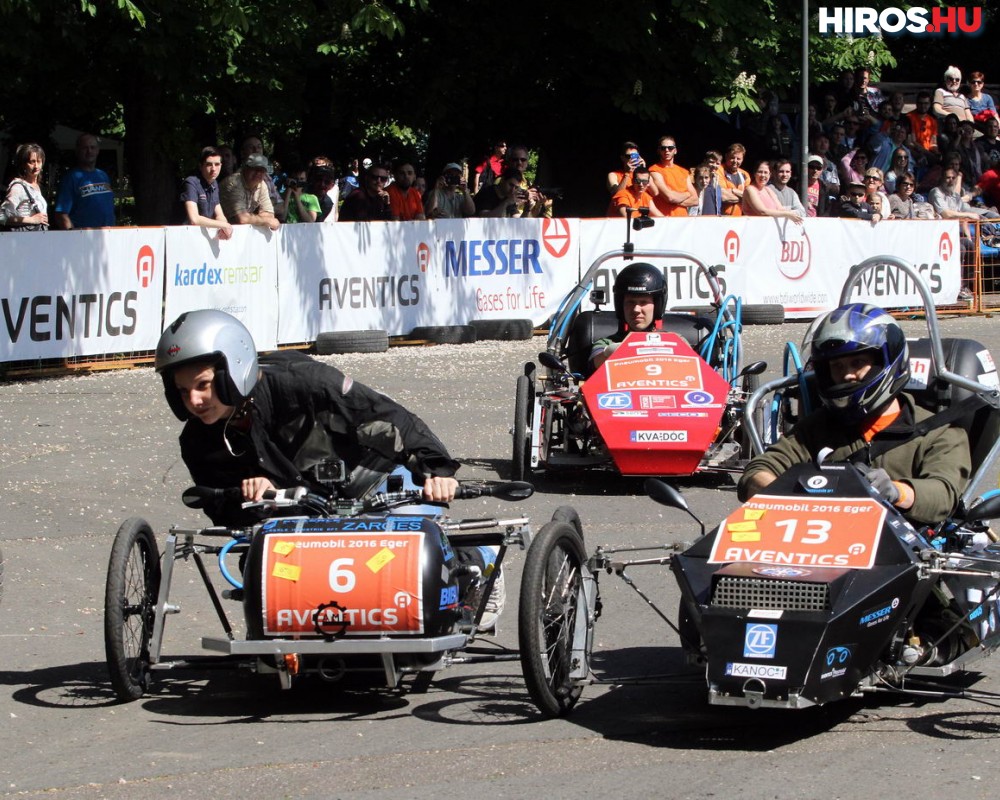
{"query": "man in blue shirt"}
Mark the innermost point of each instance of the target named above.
(200, 195)
(85, 198)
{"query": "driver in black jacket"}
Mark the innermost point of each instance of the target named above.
(284, 419)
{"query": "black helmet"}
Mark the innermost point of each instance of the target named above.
(640, 278)
(211, 336)
(855, 328)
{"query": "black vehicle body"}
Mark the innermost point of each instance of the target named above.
(835, 594)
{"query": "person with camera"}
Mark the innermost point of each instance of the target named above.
(450, 198)
(620, 178)
(303, 205)
(506, 198)
(371, 201)
(285, 420)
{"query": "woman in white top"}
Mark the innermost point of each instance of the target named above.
(25, 208)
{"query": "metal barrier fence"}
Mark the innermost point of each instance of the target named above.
(987, 266)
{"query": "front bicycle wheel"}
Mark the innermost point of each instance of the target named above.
(552, 597)
(130, 607)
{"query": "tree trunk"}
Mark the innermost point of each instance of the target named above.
(150, 171)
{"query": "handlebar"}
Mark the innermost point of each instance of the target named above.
(201, 496)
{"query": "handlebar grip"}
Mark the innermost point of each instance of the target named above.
(201, 496)
(511, 491)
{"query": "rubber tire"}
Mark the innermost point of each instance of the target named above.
(445, 334)
(546, 626)
(520, 460)
(708, 312)
(129, 607)
(337, 342)
(507, 330)
(763, 314)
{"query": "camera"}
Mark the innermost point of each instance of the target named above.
(551, 192)
(330, 471)
(293, 183)
(452, 180)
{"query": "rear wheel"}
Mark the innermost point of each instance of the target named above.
(551, 599)
(129, 607)
(524, 396)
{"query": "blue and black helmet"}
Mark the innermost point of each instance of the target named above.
(856, 328)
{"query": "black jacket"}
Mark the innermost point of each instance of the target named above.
(301, 413)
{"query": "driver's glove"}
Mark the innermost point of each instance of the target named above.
(882, 483)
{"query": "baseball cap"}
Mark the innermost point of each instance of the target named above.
(815, 160)
(859, 184)
(452, 165)
(256, 161)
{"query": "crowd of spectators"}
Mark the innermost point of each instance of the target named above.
(871, 157)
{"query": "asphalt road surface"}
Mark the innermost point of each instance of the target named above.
(81, 454)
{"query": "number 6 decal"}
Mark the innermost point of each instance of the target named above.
(342, 577)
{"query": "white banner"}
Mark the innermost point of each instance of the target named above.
(801, 267)
(70, 293)
(238, 276)
(77, 293)
(396, 276)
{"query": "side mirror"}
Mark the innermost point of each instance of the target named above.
(666, 495)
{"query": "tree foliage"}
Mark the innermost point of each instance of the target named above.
(392, 75)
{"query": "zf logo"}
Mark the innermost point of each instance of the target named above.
(760, 640)
(614, 400)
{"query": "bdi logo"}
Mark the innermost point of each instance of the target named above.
(917, 20)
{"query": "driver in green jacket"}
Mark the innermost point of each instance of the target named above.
(861, 362)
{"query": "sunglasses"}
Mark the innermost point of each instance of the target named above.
(642, 183)
(381, 178)
(668, 147)
(872, 178)
(857, 194)
(904, 184)
(976, 83)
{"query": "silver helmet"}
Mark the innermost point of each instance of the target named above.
(210, 336)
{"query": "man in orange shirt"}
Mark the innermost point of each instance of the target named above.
(733, 180)
(923, 131)
(634, 196)
(675, 192)
(405, 202)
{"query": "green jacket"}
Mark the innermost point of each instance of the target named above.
(937, 465)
